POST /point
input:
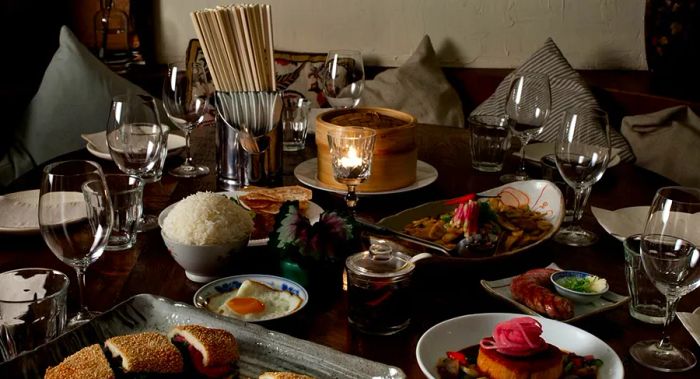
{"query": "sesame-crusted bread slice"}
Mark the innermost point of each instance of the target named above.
(146, 352)
(283, 375)
(217, 346)
(87, 363)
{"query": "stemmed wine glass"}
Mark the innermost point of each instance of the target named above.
(670, 256)
(185, 99)
(75, 218)
(343, 78)
(582, 152)
(136, 139)
(528, 103)
(351, 150)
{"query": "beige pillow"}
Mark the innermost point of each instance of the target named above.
(666, 142)
(419, 88)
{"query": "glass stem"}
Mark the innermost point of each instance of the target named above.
(80, 273)
(521, 169)
(188, 160)
(351, 198)
(671, 303)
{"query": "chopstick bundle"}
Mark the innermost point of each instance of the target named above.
(238, 46)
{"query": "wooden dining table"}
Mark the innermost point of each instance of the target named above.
(442, 287)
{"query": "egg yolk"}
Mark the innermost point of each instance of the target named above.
(245, 305)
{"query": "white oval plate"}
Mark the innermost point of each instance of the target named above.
(19, 211)
(312, 212)
(220, 286)
(541, 195)
(307, 173)
(464, 331)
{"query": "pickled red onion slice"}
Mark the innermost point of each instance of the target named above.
(517, 337)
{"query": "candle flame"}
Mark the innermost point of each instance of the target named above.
(351, 160)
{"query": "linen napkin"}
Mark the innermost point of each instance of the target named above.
(568, 89)
(97, 140)
(623, 222)
(666, 142)
(691, 322)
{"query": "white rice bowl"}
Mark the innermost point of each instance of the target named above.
(207, 218)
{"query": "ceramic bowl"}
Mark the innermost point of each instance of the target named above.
(202, 263)
(577, 296)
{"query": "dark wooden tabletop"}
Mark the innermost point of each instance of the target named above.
(442, 287)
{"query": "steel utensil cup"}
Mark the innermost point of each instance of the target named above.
(379, 290)
(32, 308)
(248, 138)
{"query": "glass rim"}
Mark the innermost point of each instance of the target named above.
(364, 132)
(59, 292)
(685, 189)
(97, 168)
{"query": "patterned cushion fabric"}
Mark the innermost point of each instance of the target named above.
(299, 73)
(568, 90)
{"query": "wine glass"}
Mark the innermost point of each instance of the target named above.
(582, 152)
(672, 261)
(75, 218)
(351, 150)
(343, 78)
(136, 139)
(528, 103)
(185, 98)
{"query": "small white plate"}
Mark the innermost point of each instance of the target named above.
(312, 212)
(307, 173)
(535, 151)
(220, 286)
(464, 331)
(501, 289)
(175, 145)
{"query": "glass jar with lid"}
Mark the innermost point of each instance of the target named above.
(379, 289)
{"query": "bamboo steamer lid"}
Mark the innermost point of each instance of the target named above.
(395, 154)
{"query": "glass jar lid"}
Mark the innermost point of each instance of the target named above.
(380, 261)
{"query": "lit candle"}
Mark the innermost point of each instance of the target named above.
(352, 160)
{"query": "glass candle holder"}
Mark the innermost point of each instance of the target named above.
(351, 150)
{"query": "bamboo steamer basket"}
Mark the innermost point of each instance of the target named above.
(395, 154)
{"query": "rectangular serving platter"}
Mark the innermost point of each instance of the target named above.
(501, 289)
(261, 349)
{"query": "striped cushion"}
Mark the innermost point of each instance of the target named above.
(568, 90)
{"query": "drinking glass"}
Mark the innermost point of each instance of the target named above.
(351, 150)
(185, 98)
(528, 103)
(75, 218)
(135, 138)
(343, 78)
(582, 151)
(672, 261)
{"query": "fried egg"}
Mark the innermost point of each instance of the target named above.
(255, 301)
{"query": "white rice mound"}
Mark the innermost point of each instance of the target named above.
(207, 218)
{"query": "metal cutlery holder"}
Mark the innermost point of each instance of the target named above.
(248, 139)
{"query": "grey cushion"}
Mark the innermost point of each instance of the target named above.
(74, 97)
(419, 88)
(568, 90)
(666, 142)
